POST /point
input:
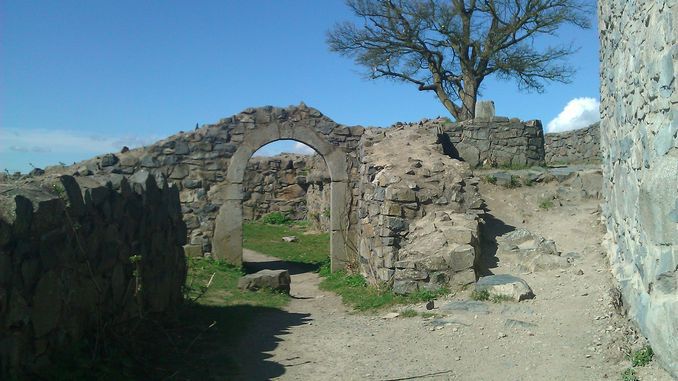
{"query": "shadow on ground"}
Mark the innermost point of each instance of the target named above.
(211, 343)
(490, 230)
(294, 268)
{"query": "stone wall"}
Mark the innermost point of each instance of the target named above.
(296, 185)
(495, 141)
(418, 212)
(639, 125)
(573, 147)
(197, 163)
(69, 252)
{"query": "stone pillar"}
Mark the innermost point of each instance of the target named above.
(484, 110)
(227, 240)
(339, 222)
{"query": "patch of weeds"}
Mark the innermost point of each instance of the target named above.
(427, 315)
(59, 191)
(629, 374)
(642, 356)
(527, 182)
(326, 213)
(481, 296)
(408, 313)
(514, 182)
(275, 218)
(546, 204)
(490, 179)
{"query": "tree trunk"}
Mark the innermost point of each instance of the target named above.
(468, 96)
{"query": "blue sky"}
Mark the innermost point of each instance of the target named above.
(81, 78)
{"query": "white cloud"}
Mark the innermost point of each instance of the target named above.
(61, 141)
(302, 149)
(578, 113)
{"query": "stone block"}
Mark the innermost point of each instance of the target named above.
(193, 251)
(504, 285)
(278, 280)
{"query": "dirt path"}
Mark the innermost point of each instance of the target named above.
(568, 332)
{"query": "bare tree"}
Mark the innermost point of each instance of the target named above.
(449, 47)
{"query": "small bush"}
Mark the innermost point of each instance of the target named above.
(408, 313)
(527, 182)
(275, 218)
(490, 179)
(642, 356)
(514, 183)
(546, 204)
(483, 295)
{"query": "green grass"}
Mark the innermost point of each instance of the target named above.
(546, 204)
(357, 293)
(267, 239)
(223, 290)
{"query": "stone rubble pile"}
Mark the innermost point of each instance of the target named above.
(530, 252)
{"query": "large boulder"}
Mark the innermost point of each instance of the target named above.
(278, 280)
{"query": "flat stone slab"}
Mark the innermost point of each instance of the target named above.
(504, 285)
(278, 280)
(467, 306)
(513, 323)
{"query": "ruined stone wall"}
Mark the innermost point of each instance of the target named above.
(573, 147)
(418, 212)
(69, 252)
(639, 125)
(197, 163)
(495, 141)
(296, 185)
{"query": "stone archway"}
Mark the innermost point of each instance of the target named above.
(310, 128)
